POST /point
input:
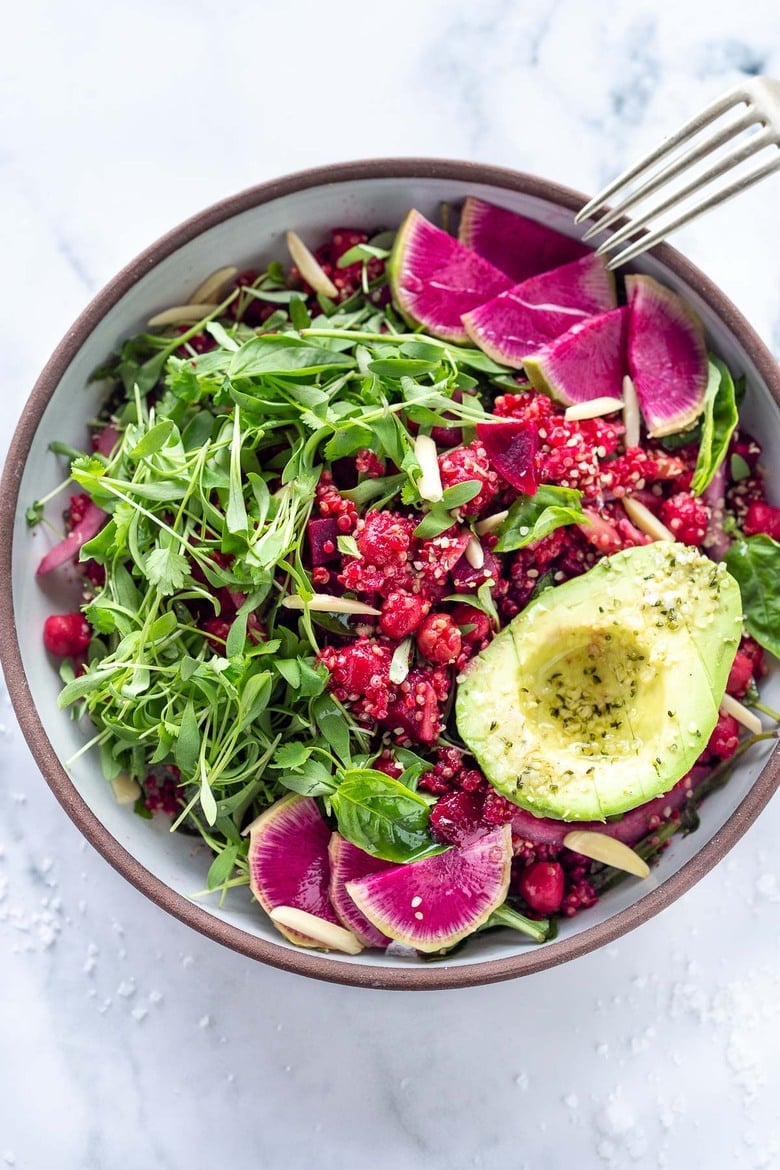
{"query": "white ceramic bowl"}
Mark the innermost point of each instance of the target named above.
(247, 230)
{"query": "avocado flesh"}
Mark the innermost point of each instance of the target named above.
(604, 691)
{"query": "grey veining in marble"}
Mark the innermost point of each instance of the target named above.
(127, 1040)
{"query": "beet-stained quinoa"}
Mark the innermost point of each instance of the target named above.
(437, 602)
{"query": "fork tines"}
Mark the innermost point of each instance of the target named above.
(751, 131)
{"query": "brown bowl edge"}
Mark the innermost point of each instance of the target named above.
(438, 976)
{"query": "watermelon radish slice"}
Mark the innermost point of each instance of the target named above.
(288, 862)
(511, 447)
(518, 246)
(434, 279)
(433, 903)
(667, 356)
(587, 362)
(520, 320)
(348, 863)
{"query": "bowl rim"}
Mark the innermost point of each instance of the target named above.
(299, 961)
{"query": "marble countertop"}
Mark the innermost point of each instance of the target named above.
(127, 1040)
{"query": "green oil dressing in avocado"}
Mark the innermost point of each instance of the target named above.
(604, 690)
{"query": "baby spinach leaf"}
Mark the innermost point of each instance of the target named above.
(331, 721)
(754, 562)
(532, 517)
(719, 423)
(383, 817)
(281, 354)
(461, 493)
(436, 521)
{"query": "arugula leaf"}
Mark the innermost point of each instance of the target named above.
(383, 817)
(754, 562)
(532, 517)
(720, 421)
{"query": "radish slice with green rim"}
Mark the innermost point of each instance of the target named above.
(288, 862)
(433, 903)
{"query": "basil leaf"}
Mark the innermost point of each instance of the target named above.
(532, 517)
(383, 817)
(720, 421)
(754, 562)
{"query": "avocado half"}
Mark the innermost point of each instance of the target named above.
(604, 691)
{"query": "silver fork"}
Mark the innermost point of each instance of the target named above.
(761, 98)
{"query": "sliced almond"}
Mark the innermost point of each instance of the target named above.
(631, 417)
(600, 847)
(310, 268)
(594, 408)
(330, 936)
(324, 603)
(182, 314)
(738, 711)
(474, 553)
(645, 520)
(210, 288)
(490, 523)
(126, 789)
(429, 483)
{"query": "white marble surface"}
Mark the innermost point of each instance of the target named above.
(127, 1040)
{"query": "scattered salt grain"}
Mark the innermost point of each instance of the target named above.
(91, 960)
(766, 887)
(139, 1014)
(571, 1101)
(521, 1080)
(205, 1022)
(155, 997)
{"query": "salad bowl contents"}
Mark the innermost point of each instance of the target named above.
(416, 573)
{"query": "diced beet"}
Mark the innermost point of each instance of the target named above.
(512, 447)
(323, 533)
(415, 712)
(467, 579)
(66, 634)
(457, 817)
(541, 884)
